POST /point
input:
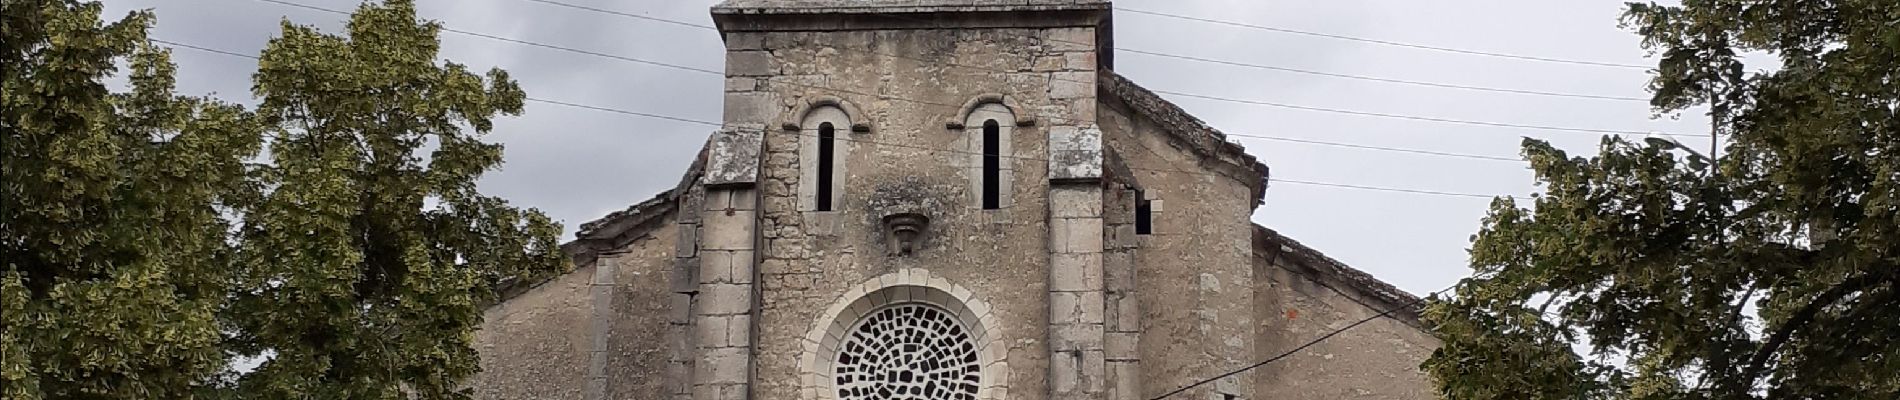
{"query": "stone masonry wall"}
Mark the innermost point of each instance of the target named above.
(639, 326)
(1376, 360)
(1194, 271)
(810, 258)
(539, 344)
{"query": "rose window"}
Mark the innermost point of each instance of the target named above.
(907, 351)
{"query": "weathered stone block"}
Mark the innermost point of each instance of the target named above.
(1075, 153)
(741, 84)
(728, 232)
(1125, 314)
(715, 266)
(723, 365)
(1075, 203)
(1076, 235)
(1120, 346)
(750, 63)
(1073, 337)
(1070, 39)
(745, 41)
(742, 266)
(744, 200)
(1048, 64)
(751, 108)
(1065, 307)
(1090, 305)
(688, 244)
(1094, 373)
(1075, 272)
(684, 278)
(679, 308)
(739, 330)
(712, 331)
(724, 299)
(1079, 60)
(679, 377)
(604, 270)
(1122, 237)
(1082, 111)
(1124, 380)
(1071, 85)
(1065, 372)
(733, 159)
(1118, 271)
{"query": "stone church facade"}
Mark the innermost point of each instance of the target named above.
(946, 199)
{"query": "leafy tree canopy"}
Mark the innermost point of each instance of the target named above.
(335, 232)
(1771, 271)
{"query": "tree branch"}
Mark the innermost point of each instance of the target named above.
(1803, 317)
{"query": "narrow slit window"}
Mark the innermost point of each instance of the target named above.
(1144, 214)
(992, 165)
(827, 143)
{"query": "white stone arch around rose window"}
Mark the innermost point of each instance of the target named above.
(912, 287)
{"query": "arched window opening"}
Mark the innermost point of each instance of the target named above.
(827, 144)
(824, 147)
(992, 165)
(989, 162)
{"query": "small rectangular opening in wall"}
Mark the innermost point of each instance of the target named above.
(1229, 396)
(1144, 214)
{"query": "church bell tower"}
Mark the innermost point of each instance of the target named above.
(905, 201)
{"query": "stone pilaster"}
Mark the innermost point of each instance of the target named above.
(600, 290)
(1121, 344)
(722, 315)
(1077, 362)
(682, 350)
(726, 302)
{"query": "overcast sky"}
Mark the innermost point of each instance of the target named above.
(579, 164)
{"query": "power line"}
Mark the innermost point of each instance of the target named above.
(1423, 118)
(1380, 148)
(1156, 54)
(522, 42)
(625, 14)
(901, 145)
(1309, 343)
(1241, 135)
(1199, 96)
(1374, 78)
(1377, 41)
(201, 48)
(712, 72)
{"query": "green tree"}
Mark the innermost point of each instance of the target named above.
(113, 208)
(1771, 271)
(365, 266)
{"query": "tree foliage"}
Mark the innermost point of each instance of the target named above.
(1770, 271)
(365, 264)
(111, 230)
(335, 233)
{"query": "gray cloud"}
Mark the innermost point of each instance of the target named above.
(580, 164)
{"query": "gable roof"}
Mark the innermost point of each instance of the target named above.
(620, 228)
(1201, 139)
(1374, 294)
